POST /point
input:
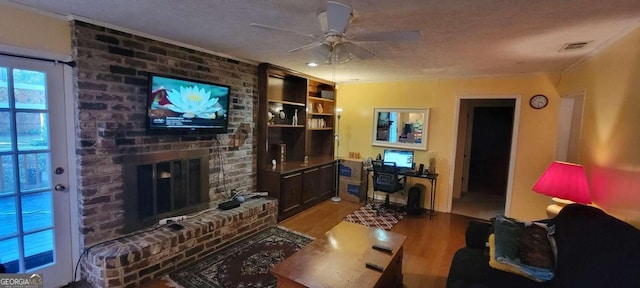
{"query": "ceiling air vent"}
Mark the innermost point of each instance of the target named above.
(574, 46)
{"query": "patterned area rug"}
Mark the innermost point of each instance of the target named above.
(368, 217)
(243, 264)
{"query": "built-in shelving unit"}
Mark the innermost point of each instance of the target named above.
(282, 94)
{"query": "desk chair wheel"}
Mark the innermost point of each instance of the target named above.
(385, 207)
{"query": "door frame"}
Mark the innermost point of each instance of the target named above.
(460, 139)
(72, 188)
(570, 118)
(69, 123)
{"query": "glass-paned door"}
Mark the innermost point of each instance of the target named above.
(34, 203)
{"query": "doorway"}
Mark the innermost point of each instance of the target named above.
(485, 135)
(35, 236)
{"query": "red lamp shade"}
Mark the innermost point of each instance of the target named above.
(565, 181)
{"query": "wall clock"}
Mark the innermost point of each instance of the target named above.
(538, 101)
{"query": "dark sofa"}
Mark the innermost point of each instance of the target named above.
(594, 250)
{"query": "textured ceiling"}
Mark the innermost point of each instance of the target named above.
(460, 38)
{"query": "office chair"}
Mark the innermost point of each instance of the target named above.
(386, 179)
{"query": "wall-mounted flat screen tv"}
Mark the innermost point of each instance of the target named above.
(176, 104)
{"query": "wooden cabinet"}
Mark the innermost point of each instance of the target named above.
(311, 183)
(299, 189)
(291, 192)
(327, 185)
(296, 116)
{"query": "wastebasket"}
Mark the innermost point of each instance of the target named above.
(413, 200)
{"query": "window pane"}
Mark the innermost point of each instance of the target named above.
(179, 195)
(37, 211)
(8, 218)
(29, 88)
(32, 131)
(4, 88)
(34, 171)
(38, 249)
(194, 182)
(145, 191)
(163, 189)
(5, 131)
(9, 255)
(7, 183)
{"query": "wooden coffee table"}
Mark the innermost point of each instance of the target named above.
(338, 259)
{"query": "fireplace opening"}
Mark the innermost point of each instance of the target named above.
(164, 184)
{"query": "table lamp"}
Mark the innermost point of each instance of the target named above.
(566, 183)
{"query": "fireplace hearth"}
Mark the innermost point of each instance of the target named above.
(164, 184)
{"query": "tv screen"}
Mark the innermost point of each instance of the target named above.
(183, 104)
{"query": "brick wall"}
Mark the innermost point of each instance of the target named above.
(111, 91)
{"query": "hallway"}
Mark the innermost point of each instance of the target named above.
(478, 205)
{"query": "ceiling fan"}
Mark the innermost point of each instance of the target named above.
(335, 45)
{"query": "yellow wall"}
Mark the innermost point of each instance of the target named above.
(25, 29)
(610, 141)
(536, 137)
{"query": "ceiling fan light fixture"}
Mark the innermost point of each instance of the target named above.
(340, 53)
(322, 51)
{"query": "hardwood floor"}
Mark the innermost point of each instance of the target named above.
(428, 250)
(319, 219)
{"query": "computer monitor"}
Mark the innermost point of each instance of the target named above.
(402, 158)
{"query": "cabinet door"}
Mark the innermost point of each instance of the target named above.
(327, 183)
(291, 194)
(311, 185)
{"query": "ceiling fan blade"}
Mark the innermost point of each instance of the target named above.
(306, 47)
(358, 51)
(272, 28)
(387, 36)
(338, 16)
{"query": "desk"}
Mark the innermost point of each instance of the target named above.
(337, 259)
(433, 180)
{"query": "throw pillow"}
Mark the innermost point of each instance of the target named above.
(501, 266)
(535, 248)
(508, 238)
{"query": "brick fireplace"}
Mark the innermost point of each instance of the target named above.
(111, 90)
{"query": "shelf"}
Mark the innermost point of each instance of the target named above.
(320, 99)
(284, 126)
(297, 185)
(293, 166)
(287, 103)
